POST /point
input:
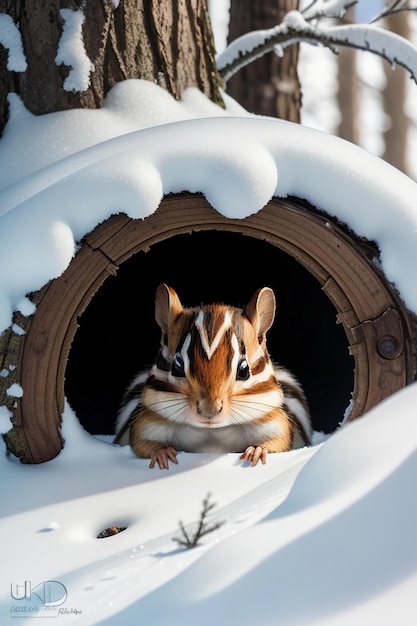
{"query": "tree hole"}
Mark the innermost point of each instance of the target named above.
(118, 335)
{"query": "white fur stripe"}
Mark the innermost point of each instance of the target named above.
(210, 348)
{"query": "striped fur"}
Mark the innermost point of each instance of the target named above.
(213, 386)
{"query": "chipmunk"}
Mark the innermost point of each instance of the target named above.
(213, 386)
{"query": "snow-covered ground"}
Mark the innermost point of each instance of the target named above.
(319, 536)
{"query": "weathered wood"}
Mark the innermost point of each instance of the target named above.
(37, 414)
(380, 331)
(385, 356)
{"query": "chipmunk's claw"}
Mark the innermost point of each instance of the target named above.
(254, 454)
(162, 457)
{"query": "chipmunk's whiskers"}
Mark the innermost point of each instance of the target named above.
(252, 407)
(173, 406)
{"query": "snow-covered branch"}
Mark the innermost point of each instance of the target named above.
(318, 9)
(296, 27)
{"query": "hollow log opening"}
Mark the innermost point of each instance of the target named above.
(340, 326)
(118, 335)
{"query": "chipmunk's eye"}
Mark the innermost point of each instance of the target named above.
(243, 371)
(177, 366)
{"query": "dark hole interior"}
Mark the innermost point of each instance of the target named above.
(118, 335)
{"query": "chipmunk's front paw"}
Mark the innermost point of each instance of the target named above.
(253, 454)
(162, 457)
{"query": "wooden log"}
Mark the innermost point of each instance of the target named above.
(381, 332)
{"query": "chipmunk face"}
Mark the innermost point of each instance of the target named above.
(213, 369)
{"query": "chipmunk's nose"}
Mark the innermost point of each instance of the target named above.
(209, 408)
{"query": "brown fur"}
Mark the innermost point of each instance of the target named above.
(210, 400)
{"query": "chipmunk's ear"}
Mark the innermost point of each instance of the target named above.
(261, 310)
(167, 307)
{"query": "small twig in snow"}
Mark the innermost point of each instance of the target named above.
(191, 541)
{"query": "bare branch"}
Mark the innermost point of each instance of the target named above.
(327, 8)
(392, 11)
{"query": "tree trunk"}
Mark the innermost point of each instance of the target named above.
(165, 41)
(347, 96)
(395, 95)
(270, 85)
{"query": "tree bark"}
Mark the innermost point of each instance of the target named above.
(270, 85)
(347, 96)
(169, 42)
(395, 94)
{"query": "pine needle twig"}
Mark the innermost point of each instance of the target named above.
(191, 540)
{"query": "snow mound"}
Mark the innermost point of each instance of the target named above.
(69, 171)
(331, 553)
(322, 535)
